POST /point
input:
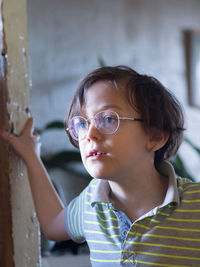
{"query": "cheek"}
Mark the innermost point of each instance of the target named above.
(133, 142)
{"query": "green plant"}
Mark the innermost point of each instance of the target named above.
(178, 163)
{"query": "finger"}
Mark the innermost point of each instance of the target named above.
(28, 128)
(7, 136)
(36, 135)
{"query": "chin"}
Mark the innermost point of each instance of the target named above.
(97, 175)
(99, 171)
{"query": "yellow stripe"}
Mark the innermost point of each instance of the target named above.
(107, 251)
(142, 226)
(178, 229)
(93, 185)
(138, 261)
(101, 233)
(101, 203)
(167, 256)
(153, 220)
(71, 225)
(161, 264)
(103, 242)
(193, 185)
(79, 213)
(100, 260)
(169, 237)
(192, 192)
(142, 252)
(105, 211)
(191, 201)
(103, 220)
(131, 233)
(161, 245)
(171, 206)
(105, 228)
(182, 220)
(163, 213)
(182, 210)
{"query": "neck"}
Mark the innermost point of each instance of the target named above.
(138, 195)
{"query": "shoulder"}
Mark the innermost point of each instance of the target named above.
(186, 184)
(89, 190)
(189, 191)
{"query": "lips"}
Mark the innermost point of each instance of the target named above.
(96, 154)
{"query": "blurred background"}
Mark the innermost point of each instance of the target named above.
(68, 39)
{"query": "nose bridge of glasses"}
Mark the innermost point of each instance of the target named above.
(93, 129)
(91, 122)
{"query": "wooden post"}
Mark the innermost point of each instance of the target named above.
(19, 229)
(6, 244)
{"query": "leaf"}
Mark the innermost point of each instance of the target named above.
(192, 145)
(101, 62)
(180, 168)
(54, 125)
(63, 157)
(63, 160)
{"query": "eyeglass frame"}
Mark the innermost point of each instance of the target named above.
(90, 119)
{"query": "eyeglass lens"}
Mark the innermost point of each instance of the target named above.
(107, 122)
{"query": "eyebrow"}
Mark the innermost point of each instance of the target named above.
(111, 106)
(106, 107)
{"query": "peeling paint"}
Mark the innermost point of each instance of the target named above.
(14, 107)
(30, 83)
(21, 37)
(26, 234)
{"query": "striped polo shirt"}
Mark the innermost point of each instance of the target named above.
(168, 235)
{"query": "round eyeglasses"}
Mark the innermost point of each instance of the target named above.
(107, 122)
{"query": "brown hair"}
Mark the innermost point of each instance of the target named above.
(157, 106)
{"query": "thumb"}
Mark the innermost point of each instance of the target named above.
(29, 126)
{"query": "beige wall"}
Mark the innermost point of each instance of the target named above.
(67, 37)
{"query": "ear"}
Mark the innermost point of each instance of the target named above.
(157, 139)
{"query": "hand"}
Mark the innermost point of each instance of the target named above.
(27, 144)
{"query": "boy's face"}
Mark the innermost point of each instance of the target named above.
(121, 154)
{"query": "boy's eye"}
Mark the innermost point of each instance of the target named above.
(82, 124)
(108, 119)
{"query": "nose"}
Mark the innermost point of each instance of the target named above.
(93, 134)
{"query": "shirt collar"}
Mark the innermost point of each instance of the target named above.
(101, 191)
(172, 194)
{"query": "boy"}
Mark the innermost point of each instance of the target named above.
(134, 212)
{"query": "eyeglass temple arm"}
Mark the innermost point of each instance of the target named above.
(131, 119)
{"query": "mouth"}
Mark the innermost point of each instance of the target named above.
(96, 154)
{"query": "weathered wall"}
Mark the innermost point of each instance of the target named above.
(25, 225)
(67, 37)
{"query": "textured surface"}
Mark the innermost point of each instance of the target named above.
(24, 221)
